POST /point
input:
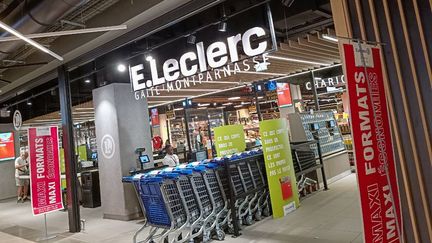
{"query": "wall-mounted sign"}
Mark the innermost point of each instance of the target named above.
(44, 170)
(154, 117)
(108, 146)
(338, 81)
(7, 146)
(284, 95)
(214, 55)
(17, 120)
(375, 164)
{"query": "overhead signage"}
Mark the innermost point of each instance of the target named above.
(375, 164)
(229, 140)
(284, 95)
(214, 55)
(337, 81)
(44, 164)
(279, 167)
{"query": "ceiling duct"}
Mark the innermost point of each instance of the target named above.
(35, 20)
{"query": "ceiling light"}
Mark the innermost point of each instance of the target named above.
(318, 78)
(229, 103)
(260, 97)
(148, 58)
(297, 60)
(222, 26)
(330, 38)
(87, 81)
(204, 104)
(214, 104)
(31, 42)
(178, 109)
(245, 103)
(238, 106)
(29, 102)
(262, 73)
(234, 98)
(222, 107)
(121, 67)
(201, 108)
(84, 108)
(191, 39)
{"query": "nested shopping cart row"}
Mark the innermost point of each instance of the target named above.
(199, 200)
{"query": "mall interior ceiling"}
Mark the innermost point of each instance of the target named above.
(28, 79)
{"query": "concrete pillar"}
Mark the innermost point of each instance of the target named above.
(121, 127)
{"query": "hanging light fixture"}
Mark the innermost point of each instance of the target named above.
(222, 26)
(191, 39)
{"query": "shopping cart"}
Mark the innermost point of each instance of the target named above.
(261, 207)
(164, 206)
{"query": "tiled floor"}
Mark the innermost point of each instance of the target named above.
(325, 217)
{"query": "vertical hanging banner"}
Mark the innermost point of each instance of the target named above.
(279, 167)
(44, 170)
(373, 149)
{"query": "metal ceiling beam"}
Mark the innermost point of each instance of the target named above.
(66, 32)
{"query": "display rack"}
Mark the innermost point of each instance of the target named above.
(304, 126)
(304, 159)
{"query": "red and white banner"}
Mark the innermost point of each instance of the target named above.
(44, 163)
(373, 149)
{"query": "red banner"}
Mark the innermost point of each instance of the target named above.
(44, 163)
(373, 149)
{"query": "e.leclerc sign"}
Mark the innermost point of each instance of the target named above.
(203, 58)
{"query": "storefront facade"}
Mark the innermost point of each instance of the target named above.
(177, 88)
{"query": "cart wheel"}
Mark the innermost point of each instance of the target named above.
(206, 236)
(249, 220)
(230, 229)
(258, 215)
(266, 212)
(220, 235)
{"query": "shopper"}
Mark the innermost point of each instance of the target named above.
(22, 184)
(170, 159)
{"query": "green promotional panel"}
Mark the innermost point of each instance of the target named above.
(229, 140)
(82, 152)
(279, 167)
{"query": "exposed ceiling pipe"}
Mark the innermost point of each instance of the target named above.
(44, 12)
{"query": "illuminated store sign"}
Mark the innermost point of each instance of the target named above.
(327, 82)
(203, 58)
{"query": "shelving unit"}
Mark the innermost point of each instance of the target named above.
(303, 125)
(321, 125)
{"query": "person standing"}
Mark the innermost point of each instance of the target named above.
(21, 168)
(170, 159)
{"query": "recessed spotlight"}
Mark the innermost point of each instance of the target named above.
(121, 67)
(29, 102)
(234, 98)
(87, 81)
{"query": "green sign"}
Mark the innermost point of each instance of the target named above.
(279, 167)
(229, 140)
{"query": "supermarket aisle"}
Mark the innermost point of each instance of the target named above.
(325, 217)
